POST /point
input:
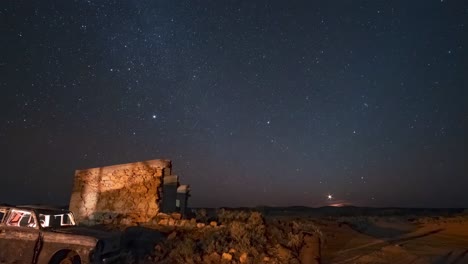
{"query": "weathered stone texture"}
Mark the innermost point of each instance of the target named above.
(129, 190)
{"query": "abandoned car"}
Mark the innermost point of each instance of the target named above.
(38, 235)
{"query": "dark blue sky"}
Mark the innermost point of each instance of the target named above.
(255, 102)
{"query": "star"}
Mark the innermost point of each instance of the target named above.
(159, 92)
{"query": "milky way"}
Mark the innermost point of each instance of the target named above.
(255, 102)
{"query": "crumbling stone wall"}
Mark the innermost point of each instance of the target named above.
(130, 190)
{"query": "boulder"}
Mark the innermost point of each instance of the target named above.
(214, 258)
(244, 258)
(163, 222)
(227, 256)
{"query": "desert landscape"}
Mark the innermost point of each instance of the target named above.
(304, 235)
(277, 132)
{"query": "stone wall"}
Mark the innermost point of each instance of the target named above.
(128, 190)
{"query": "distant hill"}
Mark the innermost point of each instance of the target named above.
(331, 211)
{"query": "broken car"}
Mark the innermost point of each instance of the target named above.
(39, 235)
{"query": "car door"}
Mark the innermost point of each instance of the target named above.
(3, 241)
(19, 234)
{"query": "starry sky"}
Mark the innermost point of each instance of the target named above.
(256, 102)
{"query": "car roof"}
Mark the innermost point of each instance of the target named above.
(41, 207)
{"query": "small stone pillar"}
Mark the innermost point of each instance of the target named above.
(169, 193)
(182, 198)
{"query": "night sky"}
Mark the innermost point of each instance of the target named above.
(255, 102)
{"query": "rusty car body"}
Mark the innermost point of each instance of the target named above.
(39, 235)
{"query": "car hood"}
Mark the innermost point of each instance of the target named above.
(86, 231)
(111, 240)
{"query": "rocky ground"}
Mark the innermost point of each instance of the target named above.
(241, 236)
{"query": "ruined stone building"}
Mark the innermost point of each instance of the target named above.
(136, 191)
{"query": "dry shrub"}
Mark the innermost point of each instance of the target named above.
(227, 216)
(216, 240)
(245, 232)
(289, 237)
(284, 254)
(256, 219)
(295, 241)
(292, 237)
(240, 236)
(311, 227)
(183, 251)
(201, 215)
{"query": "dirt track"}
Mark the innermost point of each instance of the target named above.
(399, 242)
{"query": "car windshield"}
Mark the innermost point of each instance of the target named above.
(54, 219)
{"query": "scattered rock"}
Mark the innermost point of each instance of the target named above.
(213, 224)
(232, 250)
(163, 216)
(176, 216)
(163, 222)
(283, 253)
(214, 258)
(266, 259)
(171, 222)
(243, 258)
(126, 221)
(172, 235)
(200, 225)
(227, 256)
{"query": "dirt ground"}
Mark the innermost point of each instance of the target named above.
(376, 240)
(400, 238)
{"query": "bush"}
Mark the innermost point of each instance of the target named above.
(183, 251)
(245, 232)
(227, 216)
(214, 241)
(240, 236)
(201, 215)
(256, 219)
